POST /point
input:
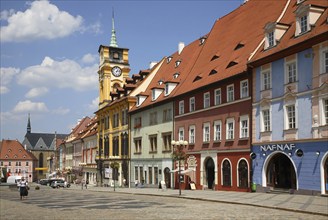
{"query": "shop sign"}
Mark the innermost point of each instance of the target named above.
(276, 147)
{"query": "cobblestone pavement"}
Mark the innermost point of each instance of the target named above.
(298, 203)
(103, 203)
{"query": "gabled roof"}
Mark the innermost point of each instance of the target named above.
(289, 41)
(79, 129)
(92, 128)
(14, 150)
(230, 42)
(168, 69)
(223, 54)
(47, 138)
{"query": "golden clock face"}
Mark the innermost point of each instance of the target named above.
(116, 71)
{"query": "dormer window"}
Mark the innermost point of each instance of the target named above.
(271, 41)
(239, 45)
(140, 99)
(202, 40)
(155, 93)
(168, 59)
(304, 24)
(215, 57)
(273, 33)
(177, 63)
(176, 75)
(306, 16)
(166, 89)
(169, 86)
(300, 1)
(160, 82)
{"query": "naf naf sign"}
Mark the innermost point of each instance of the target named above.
(277, 147)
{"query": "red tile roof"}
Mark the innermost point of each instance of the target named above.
(289, 40)
(224, 53)
(14, 150)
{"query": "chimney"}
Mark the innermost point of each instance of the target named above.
(180, 47)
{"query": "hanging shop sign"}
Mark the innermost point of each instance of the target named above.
(277, 147)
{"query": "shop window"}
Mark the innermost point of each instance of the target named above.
(226, 173)
(242, 174)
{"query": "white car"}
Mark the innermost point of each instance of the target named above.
(60, 183)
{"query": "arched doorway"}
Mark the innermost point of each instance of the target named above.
(167, 177)
(280, 172)
(209, 169)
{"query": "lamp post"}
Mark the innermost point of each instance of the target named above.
(178, 155)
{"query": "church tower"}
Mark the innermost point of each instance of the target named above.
(28, 129)
(114, 68)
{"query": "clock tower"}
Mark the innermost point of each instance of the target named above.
(114, 68)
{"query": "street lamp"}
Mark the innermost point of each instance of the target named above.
(178, 155)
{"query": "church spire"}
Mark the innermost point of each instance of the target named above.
(113, 42)
(28, 124)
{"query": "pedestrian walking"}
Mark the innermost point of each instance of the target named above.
(86, 184)
(23, 188)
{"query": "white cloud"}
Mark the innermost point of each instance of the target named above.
(36, 92)
(4, 15)
(89, 58)
(28, 106)
(94, 104)
(61, 111)
(60, 74)
(42, 20)
(3, 90)
(6, 76)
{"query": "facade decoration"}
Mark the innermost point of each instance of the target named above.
(290, 104)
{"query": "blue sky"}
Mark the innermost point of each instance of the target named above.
(49, 52)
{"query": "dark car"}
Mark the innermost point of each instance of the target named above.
(60, 183)
(44, 182)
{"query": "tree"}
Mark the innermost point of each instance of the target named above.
(115, 166)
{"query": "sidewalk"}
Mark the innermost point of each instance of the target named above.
(298, 203)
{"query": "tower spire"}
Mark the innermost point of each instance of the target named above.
(113, 42)
(28, 124)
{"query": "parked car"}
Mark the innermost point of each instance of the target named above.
(60, 183)
(44, 182)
